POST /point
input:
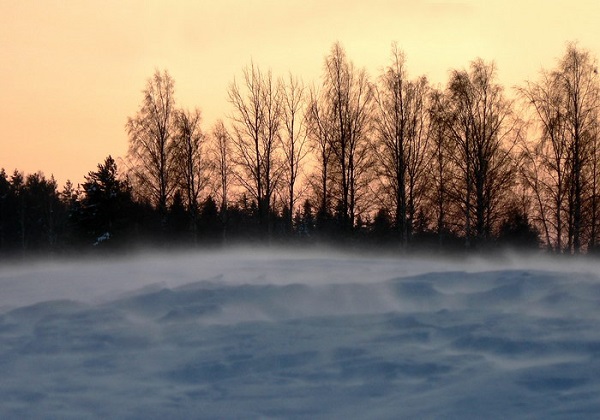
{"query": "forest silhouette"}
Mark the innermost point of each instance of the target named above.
(389, 161)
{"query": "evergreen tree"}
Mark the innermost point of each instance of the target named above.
(106, 204)
(210, 221)
(178, 219)
(516, 231)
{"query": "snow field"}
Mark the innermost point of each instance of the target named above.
(305, 335)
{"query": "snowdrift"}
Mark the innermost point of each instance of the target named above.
(258, 335)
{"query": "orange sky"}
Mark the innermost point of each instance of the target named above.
(71, 72)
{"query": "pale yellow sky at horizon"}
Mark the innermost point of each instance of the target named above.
(72, 72)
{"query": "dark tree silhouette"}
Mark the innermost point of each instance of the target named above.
(223, 166)
(256, 122)
(440, 167)
(320, 131)
(6, 216)
(480, 121)
(516, 231)
(389, 162)
(151, 133)
(294, 145)
(106, 205)
(401, 123)
(563, 162)
(191, 162)
(343, 115)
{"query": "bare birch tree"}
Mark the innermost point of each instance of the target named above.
(566, 103)
(151, 142)
(222, 160)
(441, 167)
(192, 163)
(256, 121)
(578, 79)
(482, 126)
(320, 132)
(294, 144)
(401, 123)
(348, 100)
(546, 169)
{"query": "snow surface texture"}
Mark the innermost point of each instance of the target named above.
(321, 335)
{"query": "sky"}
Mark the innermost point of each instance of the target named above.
(72, 72)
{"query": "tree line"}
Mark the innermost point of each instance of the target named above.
(390, 160)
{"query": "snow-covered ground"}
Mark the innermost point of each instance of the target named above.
(266, 334)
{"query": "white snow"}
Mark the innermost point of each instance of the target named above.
(263, 334)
